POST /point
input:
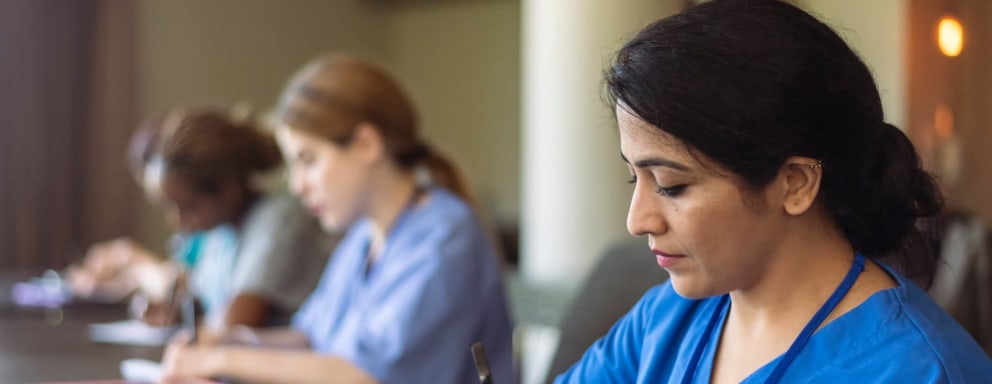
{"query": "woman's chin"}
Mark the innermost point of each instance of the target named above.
(334, 223)
(330, 224)
(692, 288)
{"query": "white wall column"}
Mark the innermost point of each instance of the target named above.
(574, 199)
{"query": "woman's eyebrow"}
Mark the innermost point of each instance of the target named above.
(652, 162)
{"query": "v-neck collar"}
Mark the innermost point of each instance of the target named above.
(842, 333)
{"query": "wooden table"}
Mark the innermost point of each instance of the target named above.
(39, 345)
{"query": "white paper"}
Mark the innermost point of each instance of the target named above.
(131, 332)
(141, 370)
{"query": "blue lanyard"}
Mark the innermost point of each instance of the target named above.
(852, 275)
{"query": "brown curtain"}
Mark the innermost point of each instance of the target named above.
(65, 111)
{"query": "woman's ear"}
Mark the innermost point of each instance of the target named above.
(367, 143)
(801, 177)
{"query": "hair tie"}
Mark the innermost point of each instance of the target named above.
(415, 155)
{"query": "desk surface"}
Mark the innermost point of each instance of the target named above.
(38, 345)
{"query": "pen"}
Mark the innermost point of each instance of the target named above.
(187, 307)
(188, 312)
(481, 364)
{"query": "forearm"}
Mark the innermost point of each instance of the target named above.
(239, 335)
(281, 366)
(276, 338)
(247, 309)
(114, 269)
(283, 338)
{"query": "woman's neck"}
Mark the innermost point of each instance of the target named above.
(394, 197)
(790, 290)
(766, 317)
(242, 210)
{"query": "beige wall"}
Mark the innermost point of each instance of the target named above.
(574, 203)
(225, 51)
(461, 62)
(459, 59)
(876, 30)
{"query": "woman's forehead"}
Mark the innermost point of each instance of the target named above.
(638, 135)
(641, 140)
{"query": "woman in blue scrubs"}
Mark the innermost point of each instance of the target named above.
(416, 280)
(769, 186)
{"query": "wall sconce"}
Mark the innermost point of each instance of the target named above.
(950, 36)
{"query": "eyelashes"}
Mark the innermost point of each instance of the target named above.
(305, 158)
(672, 191)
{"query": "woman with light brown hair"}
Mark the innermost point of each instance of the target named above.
(414, 283)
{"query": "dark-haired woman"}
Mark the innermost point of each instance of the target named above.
(250, 257)
(770, 188)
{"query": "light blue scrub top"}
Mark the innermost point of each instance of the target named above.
(898, 335)
(209, 256)
(435, 289)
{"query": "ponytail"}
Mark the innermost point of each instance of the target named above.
(878, 203)
(899, 192)
(441, 171)
(444, 173)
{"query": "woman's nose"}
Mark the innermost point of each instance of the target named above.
(645, 216)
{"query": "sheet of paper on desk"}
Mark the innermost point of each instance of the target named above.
(131, 332)
(97, 382)
(167, 381)
(141, 370)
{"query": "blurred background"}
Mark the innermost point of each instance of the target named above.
(511, 89)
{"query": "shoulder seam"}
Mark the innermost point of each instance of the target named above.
(926, 337)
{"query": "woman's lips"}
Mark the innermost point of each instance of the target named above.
(314, 209)
(666, 260)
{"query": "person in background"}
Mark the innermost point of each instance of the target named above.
(415, 282)
(249, 256)
(769, 186)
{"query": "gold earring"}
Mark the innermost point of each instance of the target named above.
(819, 164)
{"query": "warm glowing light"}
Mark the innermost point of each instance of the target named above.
(950, 36)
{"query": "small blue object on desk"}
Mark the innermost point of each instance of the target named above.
(47, 291)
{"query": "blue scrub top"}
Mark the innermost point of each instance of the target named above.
(897, 335)
(435, 289)
(209, 256)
